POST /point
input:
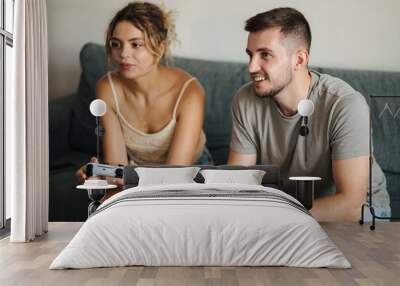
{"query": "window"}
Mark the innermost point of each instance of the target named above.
(6, 60)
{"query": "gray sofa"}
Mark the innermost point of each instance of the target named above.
(72, 139)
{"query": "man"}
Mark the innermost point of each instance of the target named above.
(266, 123)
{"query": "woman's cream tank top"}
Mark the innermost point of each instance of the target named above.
(151, 148)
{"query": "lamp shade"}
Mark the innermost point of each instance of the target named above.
(305, 107)
(98, 107)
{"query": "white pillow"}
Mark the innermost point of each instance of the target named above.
(248, 177)
(162, 176)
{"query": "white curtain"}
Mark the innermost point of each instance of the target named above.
(27, 124)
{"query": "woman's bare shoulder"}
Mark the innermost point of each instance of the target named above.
(104, 90)
(179, 73)
(193, 95)
(181, 77)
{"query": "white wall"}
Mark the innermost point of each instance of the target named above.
(361, 34)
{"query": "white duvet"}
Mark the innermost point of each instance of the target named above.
(210, 229)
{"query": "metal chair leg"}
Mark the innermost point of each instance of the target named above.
(361, 221)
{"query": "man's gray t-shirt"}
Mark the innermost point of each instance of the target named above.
(339, 129)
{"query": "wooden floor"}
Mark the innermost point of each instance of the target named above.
(374, 255)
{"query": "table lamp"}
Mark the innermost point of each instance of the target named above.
(98, 108)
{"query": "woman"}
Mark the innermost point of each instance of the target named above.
(155, 113)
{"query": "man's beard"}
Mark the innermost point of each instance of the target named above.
(271, 93)
(276, 90)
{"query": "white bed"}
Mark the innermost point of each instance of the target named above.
(201, 224)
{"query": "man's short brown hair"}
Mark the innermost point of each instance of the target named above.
(291, 22)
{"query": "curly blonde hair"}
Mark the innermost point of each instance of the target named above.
(155, 23)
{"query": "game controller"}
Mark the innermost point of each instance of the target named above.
(96, 169)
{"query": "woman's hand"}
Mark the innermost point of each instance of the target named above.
(82, 176)
(81, 173)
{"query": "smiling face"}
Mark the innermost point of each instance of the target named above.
(129, 51)
(271, 61)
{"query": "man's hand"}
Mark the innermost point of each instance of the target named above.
(351, 180)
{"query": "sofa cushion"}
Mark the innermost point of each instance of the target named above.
(94, 66)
